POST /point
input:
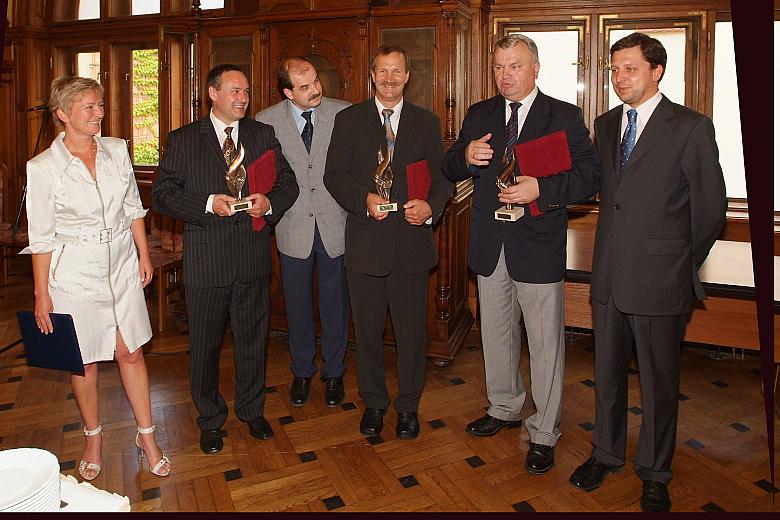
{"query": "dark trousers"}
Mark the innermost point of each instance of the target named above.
(657, 341)
(297, 275)
(207, 312)
(407, 296)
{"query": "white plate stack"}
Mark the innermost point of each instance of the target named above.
(29, 480)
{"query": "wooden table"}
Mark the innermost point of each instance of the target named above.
(726, 318)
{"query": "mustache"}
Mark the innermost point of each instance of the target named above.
(315, 96)
(390, 83)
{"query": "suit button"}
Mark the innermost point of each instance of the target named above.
(311, 214)
(313, 189)
(617, 206)
(237, 222)
(311, 166)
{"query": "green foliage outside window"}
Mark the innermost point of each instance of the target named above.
(146, 107)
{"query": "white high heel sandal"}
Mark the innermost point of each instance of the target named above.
(160, 463)
(87, 466)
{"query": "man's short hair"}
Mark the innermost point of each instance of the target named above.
(384, 50)
(652, 50)
(214, 77)
(510, 40)
(283, 72)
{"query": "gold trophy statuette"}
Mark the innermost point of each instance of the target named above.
(506, 179)
(383, 181)
(235, 177)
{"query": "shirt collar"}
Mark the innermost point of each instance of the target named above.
(219, 126)
(527, 101)
(298, 111)
(396, 109)
(645, 110)
(63, 155)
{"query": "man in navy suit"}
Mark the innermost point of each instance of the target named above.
(663, 205)
(520, 265)
(226, 264)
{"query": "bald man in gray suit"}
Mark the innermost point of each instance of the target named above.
(311, 233)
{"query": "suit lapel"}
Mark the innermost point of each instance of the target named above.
(537, 120)
(656, 126)
(248, 138)
(496, 115)
(209, 137)
(612, 124)
(404, 141)
(291, 129)
(323, 125)
(374, 127)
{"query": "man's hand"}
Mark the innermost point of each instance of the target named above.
(417, 211)
(372, 201)
(220, 206)
(524, 192)
(479, 152)
(260, 205)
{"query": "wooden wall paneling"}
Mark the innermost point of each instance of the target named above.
(339, 43)
(267, 80)
(287, 7)
(10, 191)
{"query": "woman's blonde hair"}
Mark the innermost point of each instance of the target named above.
(65, 90)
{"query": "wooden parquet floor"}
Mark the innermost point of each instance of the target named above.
(318, 460)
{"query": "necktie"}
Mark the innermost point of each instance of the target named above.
(389, 131)
(229, 147)
(629, 139)
(511, 130)
(308, 130)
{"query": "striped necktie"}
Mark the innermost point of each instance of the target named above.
(511, 130)
(389, 131)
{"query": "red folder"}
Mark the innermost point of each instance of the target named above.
(418, 180)
(262, 177)
(543, 157)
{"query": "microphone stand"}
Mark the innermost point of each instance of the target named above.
(15, 227)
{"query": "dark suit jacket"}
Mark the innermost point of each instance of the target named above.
(534, 247)
(219, 250)
(659, 219)
(373, 247)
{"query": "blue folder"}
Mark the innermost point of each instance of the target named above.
(58, 350)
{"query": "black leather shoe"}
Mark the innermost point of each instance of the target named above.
(259, 428)
(540, 458)
(488, 425)
(590, 475)
(299, 390)
(372, 421)
(334, 391)
(655, 497)
(407, 426)
(211, 441)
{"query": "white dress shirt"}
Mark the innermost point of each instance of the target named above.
(643, 113)
(522, 112)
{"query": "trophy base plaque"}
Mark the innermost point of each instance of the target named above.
(385, 208)
(240, 205)
(508, 214)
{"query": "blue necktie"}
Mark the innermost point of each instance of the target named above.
(511, 130)
(629, 140)
(308, 130)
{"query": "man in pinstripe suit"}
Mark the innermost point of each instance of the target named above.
(226, 263)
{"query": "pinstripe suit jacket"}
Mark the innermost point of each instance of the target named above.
(295, 232)
(219, 250)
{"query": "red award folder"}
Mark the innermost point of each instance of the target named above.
(543, 157)
(418, 180)
(262, 177)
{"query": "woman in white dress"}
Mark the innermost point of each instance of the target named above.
(91, 260)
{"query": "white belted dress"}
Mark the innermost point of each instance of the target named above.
(85, 224)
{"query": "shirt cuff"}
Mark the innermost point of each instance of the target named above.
(210, 204)
(270, 209)
(429, 221)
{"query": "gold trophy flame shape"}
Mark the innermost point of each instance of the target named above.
(383, 182)
(506, 179)
(235, 177)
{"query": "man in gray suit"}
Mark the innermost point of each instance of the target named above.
(311, 233)
(662, 207)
